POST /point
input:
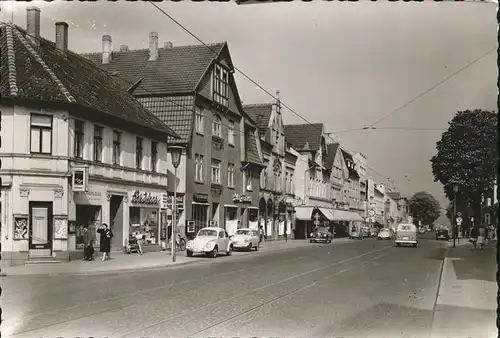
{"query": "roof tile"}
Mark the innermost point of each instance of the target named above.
(300, 135)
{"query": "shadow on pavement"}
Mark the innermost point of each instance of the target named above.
(478, 264)
(382, 320)
(437, 254)
(457, 321)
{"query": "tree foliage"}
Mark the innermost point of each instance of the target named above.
(424, 207)
(467, 154)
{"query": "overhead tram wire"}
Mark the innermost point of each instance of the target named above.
(239, 71)
(432, 87)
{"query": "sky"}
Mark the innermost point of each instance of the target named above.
(341, 63)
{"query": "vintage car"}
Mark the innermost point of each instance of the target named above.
(421, 231)
(373, 232)
(442, 233)
(384, 233)
(321, 234)
(246, 239)
(355, 234)
(210, 241)
(406, 234)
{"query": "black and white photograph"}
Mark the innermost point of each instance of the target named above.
(249, 168)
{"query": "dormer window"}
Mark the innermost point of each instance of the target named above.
(220, 85)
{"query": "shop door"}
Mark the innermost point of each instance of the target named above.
(40, 229)
(116, 220)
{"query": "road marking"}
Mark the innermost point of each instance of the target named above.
(184, 313)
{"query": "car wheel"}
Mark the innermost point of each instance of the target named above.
(230, 251)
(414, 245)
(398, 244)
(214, 252)
(257, 247)
(189, 253)
(249, 247)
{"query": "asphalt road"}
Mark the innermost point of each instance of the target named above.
(364, 288)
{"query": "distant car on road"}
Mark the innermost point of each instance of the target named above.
(246, 239)
(321, 234)
(210, 241)
(384, 233)
(373, 232)
(355, 234)
(442, 234)
(421, 231)
(365, 231)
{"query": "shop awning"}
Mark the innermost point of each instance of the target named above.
(303, 213)
(344, 215)
(327, 213)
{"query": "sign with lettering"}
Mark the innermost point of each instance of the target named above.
(242, 198)
(94, 195)
(144, 198)
(200, 198)
(79, 179)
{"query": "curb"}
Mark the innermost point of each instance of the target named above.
(444, 264)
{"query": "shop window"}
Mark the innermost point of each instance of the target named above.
(41, 134)
(253, 215)
(98, 131)
(79, 138)
(144, 221)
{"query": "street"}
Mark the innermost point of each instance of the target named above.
(365, 288)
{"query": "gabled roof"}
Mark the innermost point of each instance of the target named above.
(349, 159)
(40, 72)
(331, 153)
(304, 136)
(178, 70)
(252, 150)
(260, 113)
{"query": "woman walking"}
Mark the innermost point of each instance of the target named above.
(105, 242)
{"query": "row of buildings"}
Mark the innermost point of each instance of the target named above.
(84, 142)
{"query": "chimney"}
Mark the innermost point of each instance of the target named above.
(33, 21)
(153, 46)
(106, 49)
(123, 48)
(168, 45)
(62, 36)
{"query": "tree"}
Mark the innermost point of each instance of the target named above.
(424, 207)
(467, 155)
(449, 212)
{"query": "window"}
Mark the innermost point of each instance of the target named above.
(216, 126)
(154, 155)
(78, 151)
(138, 152)
(199, 120)
(220, 86)
(292, 184)
(117, 137)
(215, 171)
(230, 175)
(230, 133)
(98, 143)
(41, 134)
(287, 184)
(199, 168)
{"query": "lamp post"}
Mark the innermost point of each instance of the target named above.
(175, 153)
(455, 191)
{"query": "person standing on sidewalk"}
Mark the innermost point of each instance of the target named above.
(105, 241)
(481, 238)
(261, 235)
(474, 234)
(88, 249)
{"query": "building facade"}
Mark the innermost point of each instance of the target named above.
(205, 110)
(402, 211)
(71, 156)
(360, 162)
(276, 212)
(352, 186)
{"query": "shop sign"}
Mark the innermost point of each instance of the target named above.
(190, 228)
(144, 198)
(79, 179)
(200, 198)
(93, 194)
(242, 198)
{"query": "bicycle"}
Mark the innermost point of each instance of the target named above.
(180, 244)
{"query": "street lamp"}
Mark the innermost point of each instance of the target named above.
(455, 191)
(175, 153)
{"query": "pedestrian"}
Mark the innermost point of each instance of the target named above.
(88, 249)
(481, 238)
(105, 242)
(286, 237)
(261, 235)
(474, 234)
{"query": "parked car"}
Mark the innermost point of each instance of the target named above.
(373, 232)
(421, 231)
(384, 233)
(210, 241)
(406, 234)
(355, 234)
(442, 234)
(365, 231)
(246, 239)
(321, 234)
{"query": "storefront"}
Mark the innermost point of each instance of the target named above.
(144, 218)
